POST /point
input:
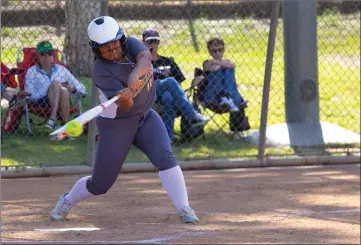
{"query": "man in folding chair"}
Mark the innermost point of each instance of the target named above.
(170, 95)
(50, 84)
(221, 88)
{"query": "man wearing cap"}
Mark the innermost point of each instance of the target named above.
(170, 95)
(51, 84)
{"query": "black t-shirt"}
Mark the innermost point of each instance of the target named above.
(164, 63)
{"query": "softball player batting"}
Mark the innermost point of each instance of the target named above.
(120, 62)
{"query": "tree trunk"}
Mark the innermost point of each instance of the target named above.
(78, 14)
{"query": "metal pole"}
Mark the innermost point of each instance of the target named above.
(191, 25)
(91, 146)
(301, 78)
(92, 129)
(267, 80)
(302, 107)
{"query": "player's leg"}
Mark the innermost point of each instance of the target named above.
(152, 139)
(115, 140)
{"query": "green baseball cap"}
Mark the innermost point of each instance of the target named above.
(44, 46)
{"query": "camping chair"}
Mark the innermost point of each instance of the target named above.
(12, 118)
(196, 91)
(7, 76)
(30, 59)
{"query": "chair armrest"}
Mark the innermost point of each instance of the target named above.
(14, 71)
(23, 94)
(195, 82)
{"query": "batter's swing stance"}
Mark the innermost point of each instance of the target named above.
(119, 65)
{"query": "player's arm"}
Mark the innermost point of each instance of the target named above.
(142, 67)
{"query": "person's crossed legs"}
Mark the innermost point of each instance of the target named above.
(230, 85)
(220, 82)
(172, 98)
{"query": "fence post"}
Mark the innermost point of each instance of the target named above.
(191, 25)
(301, 74)
(91, 145)
(267, 80)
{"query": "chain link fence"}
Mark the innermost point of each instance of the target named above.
(314, 99)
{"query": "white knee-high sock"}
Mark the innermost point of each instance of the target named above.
(173, 182)
(79, 192)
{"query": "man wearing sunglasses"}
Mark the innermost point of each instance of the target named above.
(221, 84)
(170, 95)
(50, 84)
(221, 76)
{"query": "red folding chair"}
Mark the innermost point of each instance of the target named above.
(12, 118)
(30, 59)
(7, 76)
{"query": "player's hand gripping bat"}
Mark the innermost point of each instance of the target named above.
(75, 127)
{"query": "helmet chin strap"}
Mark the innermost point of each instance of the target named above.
(122, 59)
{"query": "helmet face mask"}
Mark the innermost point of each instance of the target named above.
(103, 33)
(111, 51)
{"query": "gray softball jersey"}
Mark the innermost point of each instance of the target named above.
(110, 77)
(141, 126)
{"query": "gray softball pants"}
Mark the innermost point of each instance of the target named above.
(116, 137)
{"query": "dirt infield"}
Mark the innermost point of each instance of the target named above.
(266, 205)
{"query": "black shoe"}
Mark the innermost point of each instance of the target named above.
(243, 104)
(238, 121)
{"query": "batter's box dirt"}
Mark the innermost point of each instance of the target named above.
(266, 205)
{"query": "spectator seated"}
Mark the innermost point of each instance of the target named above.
(30, 61)
(210, 95)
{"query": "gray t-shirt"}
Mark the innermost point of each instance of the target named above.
(111, 77)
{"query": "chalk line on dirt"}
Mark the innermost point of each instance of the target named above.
(146, 241)
(68, 229)
(283, 168)
(338, 211)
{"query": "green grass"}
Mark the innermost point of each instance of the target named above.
(339, 86)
